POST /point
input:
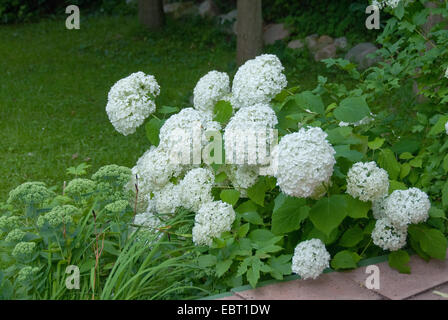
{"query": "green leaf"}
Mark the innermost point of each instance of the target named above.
(288, 213)
(399, 260)
(328, 213)
(345, 260)
(376, 144)
(280, 266)
(439, 127)
(405, 169)
(230, 196)
(261, 235)
(252, 217)
(152, 130)
(431, 241)
(253, 274)
(206, 260)
(309, 101)
(220, 177)
(396, 185)
(257, 192)
(223, 266)
(357, 208)
(445, 194)
(352, 109)
(435, 212)
(344, 151)
(388, 162)
(351, 237)
(243, 230)
(222, 111)
(168, 110)
(247, 206)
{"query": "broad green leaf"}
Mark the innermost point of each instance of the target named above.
(396, 185)
(405, 169)
(357, 208)
(351, 237)
(406, 156)
(345, 260)
(246, 206)
(352, 109)
(261, 235)
(309, 101)
(327, 240)
(328, 213)
(243, 230)
(152, 130)
(280, 266)
(220, 177)
(376, 144)
(252, 217)
(253, 274)
(223, 266)
(435, 212)
(399, 260)
(257, 192)
(388, 162)
(439, 127)
(168, 110)
(222, 111)
(288, 213)
(445, 194)
(230, 196)
(431, 241)
(206, 260)
(344, 151)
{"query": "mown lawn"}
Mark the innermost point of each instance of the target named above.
(54, 84)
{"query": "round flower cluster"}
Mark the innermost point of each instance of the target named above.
(131, 101)
(8, 223)
(310, 259)
(118, 207)
(404, 207)
(258, 81)
(387, 236)
(113, 174)
(366, 181)
(242, 177)
(57, 216)
(196, 188)
(305, 162)
(212, 219)
(15, 235)
(211, 88)
(249, 134)
(26, 273)
(23, 249)
(149, 225)
(378, 207)
(80, 187)
(30, 193)
(167, 200)
(446, 73)
(386, 3)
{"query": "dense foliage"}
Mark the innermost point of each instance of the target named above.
(361, 172)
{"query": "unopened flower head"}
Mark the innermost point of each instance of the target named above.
(80, 187)
(167, 199)
(15, 235)
(212, 219)
(23, 249)
(9, 223)
(366, 181)
(27, 273)
(30, 193)
(404, 207)
(305, 162)
(250, 134)
(113, 174)
(211, 88)
(258, 81)
(387, 236)
(310, 259)
(131, 101)
(117, 207)
(58, 215)
(196, 188)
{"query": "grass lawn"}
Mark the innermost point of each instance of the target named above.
(54, 84)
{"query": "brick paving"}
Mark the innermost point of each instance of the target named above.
(425, 278)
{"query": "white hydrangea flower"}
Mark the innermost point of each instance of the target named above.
(258, 81)
(196, 188)
(211, 88)
(366, 181)
(310, 259)
(446, 73)
(446, 126)
(154, 170)
(404, 207)
(378, 207)
(149, 225)
(184, 134)
(250, 134)
(212, 219)
(242, 177)
(167, 200)
(387, 236)
(305, 162)
(386, 3)
(131, 101)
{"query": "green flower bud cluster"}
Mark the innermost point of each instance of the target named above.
(58, 215)
(27, 273)
(30, 193)
(15, 235)
(9, 223)
(80, 187)
(23, 249)
(116, 175)
(117, 206)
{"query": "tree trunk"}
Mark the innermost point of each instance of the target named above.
(150, 13)
(249, 30)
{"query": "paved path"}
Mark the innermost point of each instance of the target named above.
(425, 278)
